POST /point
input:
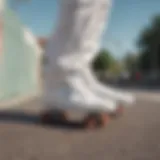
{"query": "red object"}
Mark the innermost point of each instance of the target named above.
(138, 76)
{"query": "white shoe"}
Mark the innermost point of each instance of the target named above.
(88, 34)
(74, 94)
(92, 83)
(106, 91)
(79, 33)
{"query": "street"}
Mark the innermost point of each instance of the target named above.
(135, 136)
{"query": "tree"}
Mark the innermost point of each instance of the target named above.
(102, 61)
(130, 62)
(116, 67)
(149, 44)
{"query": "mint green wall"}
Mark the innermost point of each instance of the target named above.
(18, 60)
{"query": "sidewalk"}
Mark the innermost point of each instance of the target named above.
(147, 96)
(150, 93)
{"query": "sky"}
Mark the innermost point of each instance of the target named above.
(127, 19)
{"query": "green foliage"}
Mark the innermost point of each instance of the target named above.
(144, 61)
(116, 68)
(103, 61)
(130, 62)
(149, 43)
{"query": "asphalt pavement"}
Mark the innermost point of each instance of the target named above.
(134, 136)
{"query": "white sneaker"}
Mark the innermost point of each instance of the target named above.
(71, 92)
(69, 84)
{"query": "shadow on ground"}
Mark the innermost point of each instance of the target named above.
(19, 117)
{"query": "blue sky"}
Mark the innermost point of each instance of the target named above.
(127, 19)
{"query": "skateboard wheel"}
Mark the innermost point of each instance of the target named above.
(45, 117)
(119, 112)
(103, 119)
(59, 115)
(96, 120)
(90, 122)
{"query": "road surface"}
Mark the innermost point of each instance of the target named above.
(135, 136)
